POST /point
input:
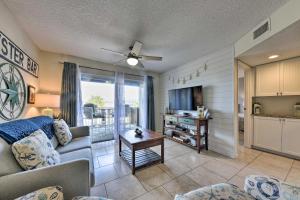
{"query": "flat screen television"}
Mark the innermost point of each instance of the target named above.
(186, 98)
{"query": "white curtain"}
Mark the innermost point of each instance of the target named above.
(143, 105)
(79, 99)
(119, 114)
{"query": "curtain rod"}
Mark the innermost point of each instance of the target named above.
(60, 62)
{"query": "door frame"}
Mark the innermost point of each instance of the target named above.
(249, 88)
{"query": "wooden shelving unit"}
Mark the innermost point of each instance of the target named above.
(187, 124)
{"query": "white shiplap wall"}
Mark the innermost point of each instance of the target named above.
(218, 91)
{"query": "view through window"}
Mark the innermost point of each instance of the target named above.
(98, 107)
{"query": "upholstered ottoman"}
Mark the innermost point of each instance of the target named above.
(267, 188)
(216, 192)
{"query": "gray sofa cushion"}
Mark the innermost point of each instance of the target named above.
(8, 163)
(75, 144)
(80, 154)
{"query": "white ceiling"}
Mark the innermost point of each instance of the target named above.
(286, 44)
(178, 30)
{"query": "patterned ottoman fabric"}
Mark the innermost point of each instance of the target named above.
(89, 198)
(267, 188)
(216, 192)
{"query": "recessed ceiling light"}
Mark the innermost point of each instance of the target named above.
(273, 56)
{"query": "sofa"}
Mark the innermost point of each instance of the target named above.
(75, 173)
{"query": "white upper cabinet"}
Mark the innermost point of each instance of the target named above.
(291, 137)
(279, 78)
(268, 80)
(290, 84)
(267, 133)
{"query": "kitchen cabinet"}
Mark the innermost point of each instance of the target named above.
(267, 133)
(277, 134)
(268, 80)
(290, 81)
(291, 136)
(278, 79)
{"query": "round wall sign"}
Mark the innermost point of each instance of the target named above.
(12, 92)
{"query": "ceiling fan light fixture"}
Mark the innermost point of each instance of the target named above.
(132, 61)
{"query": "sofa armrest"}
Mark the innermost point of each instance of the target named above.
(73, 177)
(80, 131)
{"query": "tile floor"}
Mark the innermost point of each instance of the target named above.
(184, 170)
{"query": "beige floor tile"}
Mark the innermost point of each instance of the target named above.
(176, 150)
(99, 191)
(105, 174)
(236, 163)
(296, 164)
(152, 177)
(193, 159)
(294, 177)
(174, 168)
(272, 159)
(169, 143)
(246, 157)
(270, 169)
(127, 187)
(254, 152)
(238, 181)
(263, 169)
(159, 193)
(122, 168)
(108, 159)
(205, 177)
(211, 154)
(225, 170)
(251, 171)
(99, 151)
(181, 184)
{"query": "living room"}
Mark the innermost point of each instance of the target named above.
(139, 99)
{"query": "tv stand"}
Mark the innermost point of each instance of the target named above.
(186, 130)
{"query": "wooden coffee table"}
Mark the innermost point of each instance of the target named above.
(139, 155)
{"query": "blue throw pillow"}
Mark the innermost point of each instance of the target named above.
(45, 123)
(15, 130)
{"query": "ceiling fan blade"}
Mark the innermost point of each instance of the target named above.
(155, 58)
(115, 52)
(120, 61)
(136, 49)
(140, 65)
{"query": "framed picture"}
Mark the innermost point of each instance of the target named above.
(31, 94)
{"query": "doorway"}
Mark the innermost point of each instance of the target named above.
(241, 104)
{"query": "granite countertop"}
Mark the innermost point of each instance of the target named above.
(277, 116)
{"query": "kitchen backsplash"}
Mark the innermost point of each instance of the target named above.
(282, 105)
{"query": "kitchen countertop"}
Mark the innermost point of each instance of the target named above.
(277, 116)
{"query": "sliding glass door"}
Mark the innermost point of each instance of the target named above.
(133, 102)
(98, 100)
(98, 96)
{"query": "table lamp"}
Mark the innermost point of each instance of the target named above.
(47, 102)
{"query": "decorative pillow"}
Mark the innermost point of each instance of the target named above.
(62, 131)
(267, 188)
(35, 151)
(48, 193)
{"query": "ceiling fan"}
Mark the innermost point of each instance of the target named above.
(134, 58)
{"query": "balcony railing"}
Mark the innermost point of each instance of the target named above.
(101, 121)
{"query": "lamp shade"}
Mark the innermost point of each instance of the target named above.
(47, 101)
